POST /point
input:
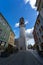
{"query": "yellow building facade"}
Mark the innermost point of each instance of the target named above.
(11, 39)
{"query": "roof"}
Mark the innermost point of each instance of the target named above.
(21, 20)
(6, 22)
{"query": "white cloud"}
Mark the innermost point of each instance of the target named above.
(17, 24)
(31, 2)
(26, 1)
(29, 33)
(29, 30)
(31, 41)
(37, 13)
(29, 36)
(26, 22)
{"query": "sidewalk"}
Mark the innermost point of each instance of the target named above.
(35, 53)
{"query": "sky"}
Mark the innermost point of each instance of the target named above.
(13, 10)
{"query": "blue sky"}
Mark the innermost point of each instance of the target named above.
(13, 10)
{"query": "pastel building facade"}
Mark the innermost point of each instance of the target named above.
(38, 27)
(6, 34)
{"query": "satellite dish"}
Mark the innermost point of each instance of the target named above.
(41, 12)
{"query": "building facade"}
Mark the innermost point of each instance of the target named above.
(17, 43)
(38, 28)
(6, 33)
(39, 5)
(11, 39)
(38, 32)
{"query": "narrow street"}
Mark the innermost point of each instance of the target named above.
(20, 58)
(21, 32)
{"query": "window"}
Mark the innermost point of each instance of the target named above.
(5, 35)
(42, 5)
(39, 40)
(0, 21)
(1, 18)
(42, 28)
(38, 21)
(12, 34)
(42, 36)
(3, 23)
(37, 34)
(8, 28)
(0, 31)
(42, 45)
(10, 38)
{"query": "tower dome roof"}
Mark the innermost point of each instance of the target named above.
(21, 21)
